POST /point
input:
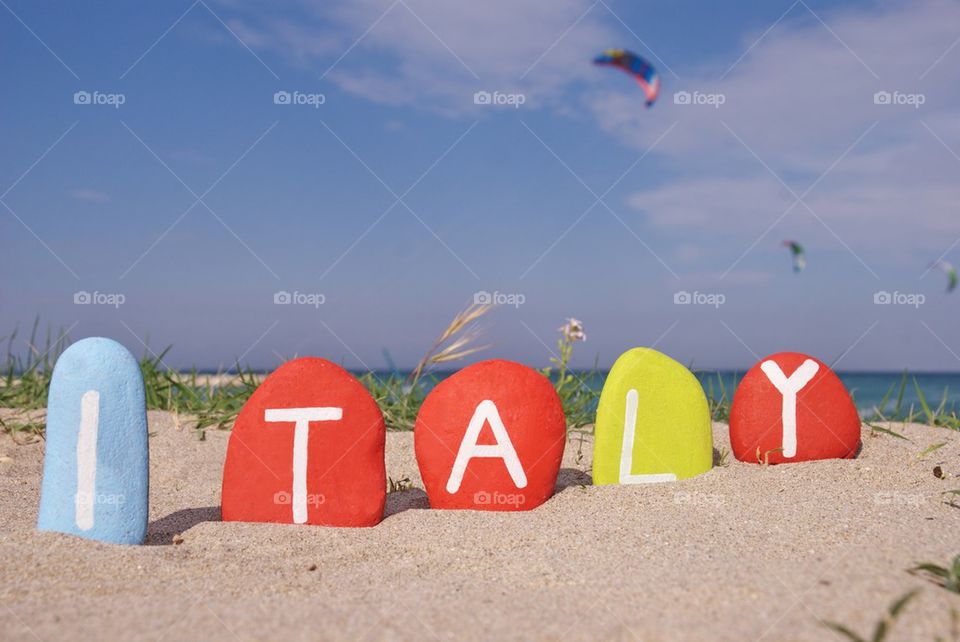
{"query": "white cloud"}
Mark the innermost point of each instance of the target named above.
(719, 279)
(436, 54)
(716, 203)
(799, 101)
(801, 96)
(89, 195)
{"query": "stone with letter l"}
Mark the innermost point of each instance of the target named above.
(653, 422)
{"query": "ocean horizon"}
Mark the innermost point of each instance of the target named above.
(868, 388)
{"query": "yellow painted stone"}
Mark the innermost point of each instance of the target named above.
(653, 422)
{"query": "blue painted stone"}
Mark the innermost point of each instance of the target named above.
(96, 466)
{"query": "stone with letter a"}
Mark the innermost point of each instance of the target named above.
(792, 407)
(307, 448)
(490, 437)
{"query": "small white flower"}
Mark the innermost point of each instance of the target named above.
(572, 331)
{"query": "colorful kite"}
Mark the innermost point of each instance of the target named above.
(636, 66)
(799, 256)
(948, 269)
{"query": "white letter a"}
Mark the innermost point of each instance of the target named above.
(469, 448)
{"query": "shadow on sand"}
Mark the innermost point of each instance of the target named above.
(161, 531)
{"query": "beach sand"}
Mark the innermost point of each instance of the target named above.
(743, 552)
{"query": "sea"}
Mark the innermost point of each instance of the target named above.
(868, 389)
(871, 389)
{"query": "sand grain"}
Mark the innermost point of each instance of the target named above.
(743, 552)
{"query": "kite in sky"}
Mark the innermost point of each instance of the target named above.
(799, 256)
(950, 271)
(636, 66)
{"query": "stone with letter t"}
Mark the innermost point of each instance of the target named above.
(791, 407)
(307, 448)
(490, 437)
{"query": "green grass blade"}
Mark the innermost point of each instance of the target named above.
(886, 431)
(923, 402)
(931, 448)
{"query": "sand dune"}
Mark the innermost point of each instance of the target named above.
(743, 552)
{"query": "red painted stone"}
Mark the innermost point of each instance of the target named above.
(341, 479)
(519, 455)
(827, 425)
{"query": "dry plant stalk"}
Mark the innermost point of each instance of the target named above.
(454, 343)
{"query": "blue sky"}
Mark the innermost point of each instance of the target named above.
(198, 198)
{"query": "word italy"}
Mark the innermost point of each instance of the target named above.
(308, 446)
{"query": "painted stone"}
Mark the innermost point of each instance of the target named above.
(792, 407)
(653, 422)
(307, 448)
(490, 437)
(96, 465)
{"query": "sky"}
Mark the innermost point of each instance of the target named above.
(250, 180)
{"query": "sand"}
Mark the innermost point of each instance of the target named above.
(743, 552)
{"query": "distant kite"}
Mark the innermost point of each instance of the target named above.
(799, 256)
(636, 66)
(950, 271)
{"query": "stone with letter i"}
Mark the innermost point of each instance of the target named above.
(791, 407)
(653, 422)
(490, 437)
(307, 448)
(96, 463)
